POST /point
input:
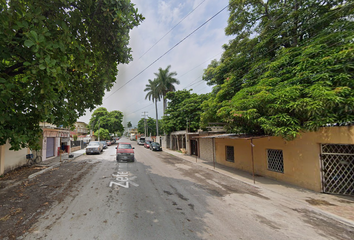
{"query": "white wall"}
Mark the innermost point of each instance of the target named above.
(11, 159)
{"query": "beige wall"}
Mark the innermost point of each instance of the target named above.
(10, 159)
(301, 156)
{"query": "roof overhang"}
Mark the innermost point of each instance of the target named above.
(234, 136)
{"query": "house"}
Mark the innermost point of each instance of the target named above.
(80, 128)
(53, 139)
(321, 161)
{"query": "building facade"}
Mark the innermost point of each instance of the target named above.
(321, 161)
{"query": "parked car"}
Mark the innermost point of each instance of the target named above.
(125, 152)
(109, 143)
(147, 144)
(94, 147)
(104, 144)
(154, 146)
(141, 140)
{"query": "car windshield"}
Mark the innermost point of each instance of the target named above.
(125, 146)
(148, 142)
(93, 144)
(155, 144)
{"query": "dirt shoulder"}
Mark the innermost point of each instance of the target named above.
(23, 201)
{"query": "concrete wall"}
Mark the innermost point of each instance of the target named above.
(301, 156)
(10, 159)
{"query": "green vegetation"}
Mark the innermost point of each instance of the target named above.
(110, 121)
(103, 133)
(183, 111)
(151, 127)
(289, 68)
(159, 87)
(57, 60)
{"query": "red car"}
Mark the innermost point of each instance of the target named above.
(147, 144)
(125, 152)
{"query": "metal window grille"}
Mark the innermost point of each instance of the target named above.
(338, 168)
(275, 160)
(230, 154)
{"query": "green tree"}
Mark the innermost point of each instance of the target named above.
(183, 111)
(96, 116)
(150, 124)
(103, 133)
(166, 82)
(57, 60)
(129, 125)
(288, 70)
(112, 121)
(153, 94)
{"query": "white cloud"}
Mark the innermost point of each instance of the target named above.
(188, 59)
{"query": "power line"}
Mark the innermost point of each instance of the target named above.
(185, 74)
(171, 29)
(169, 50)
(274, 34)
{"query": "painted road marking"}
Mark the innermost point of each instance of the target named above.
(121, 177)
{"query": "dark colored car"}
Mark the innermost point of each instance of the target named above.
(104, 143)
(154, 146)
(125, 152)
(147, 144)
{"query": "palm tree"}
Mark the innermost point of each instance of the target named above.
(166, 80)
(153, 93)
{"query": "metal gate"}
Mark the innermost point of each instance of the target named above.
(50, 147)
(338, 168)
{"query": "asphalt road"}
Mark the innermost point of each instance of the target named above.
(160, 196)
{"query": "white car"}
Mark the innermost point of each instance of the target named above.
(141, 141)
(94, 147)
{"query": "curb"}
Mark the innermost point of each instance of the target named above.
(343, 220)
(51, 167)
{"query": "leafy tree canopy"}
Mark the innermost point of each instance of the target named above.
(183, 108)
(289, 68)
(57, 60)
(111, 121)
(129, 125)
(151, 126)
(103, 133)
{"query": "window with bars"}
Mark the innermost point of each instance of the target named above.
(275, 160)
(230, 154)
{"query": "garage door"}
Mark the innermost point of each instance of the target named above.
(338, 168)
(50, 147)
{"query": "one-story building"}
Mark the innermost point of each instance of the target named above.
(321, 161)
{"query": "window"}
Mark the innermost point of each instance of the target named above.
(230, 154)
(125, 146)
(275, 160)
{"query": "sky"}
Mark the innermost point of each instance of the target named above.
(166, 24)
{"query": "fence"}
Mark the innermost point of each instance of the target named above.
(79, 143)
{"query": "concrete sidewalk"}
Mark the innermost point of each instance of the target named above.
(56, 161)
(335, 206)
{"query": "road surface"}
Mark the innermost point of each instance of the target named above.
(160, 196)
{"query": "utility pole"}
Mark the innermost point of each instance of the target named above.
(98, 129)
(145, 115)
